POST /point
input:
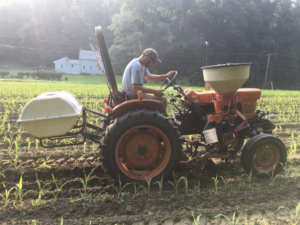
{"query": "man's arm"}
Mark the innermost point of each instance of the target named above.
(154, 77)
(137, 87)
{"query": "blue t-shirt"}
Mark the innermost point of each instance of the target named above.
(133, 74)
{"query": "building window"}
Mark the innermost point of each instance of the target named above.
(83, 67)
(61, 65)
(57, 65)
(72, 66)
(91, 67)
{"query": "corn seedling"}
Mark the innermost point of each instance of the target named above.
(100, 196)
(176, 182)
(19, 189)
(263, 219)
(147, 190)
(36, 145)
(185, 179)
(296, 214)
(225, 181)
(249, 177)
(6, 197)
(242, 185)
(38, 201)
(196, 191)
(246, 221)
(272, 176)
(44, 165)
(296, 171)
(29, 143)
(287, 175)
(120, 188)
(84, 147)
(160, 183)
(197, 220)
(85, 182)
(57, 189)
(14, 158)
(135, 190)
(234, 220)
(215, 179)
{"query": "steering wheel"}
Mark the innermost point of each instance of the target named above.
(168, 81)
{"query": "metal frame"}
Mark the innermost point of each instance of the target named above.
(81, 132)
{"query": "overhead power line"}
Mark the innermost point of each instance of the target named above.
(65, 43)
(34, 49)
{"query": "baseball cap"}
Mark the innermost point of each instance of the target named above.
(152, 53)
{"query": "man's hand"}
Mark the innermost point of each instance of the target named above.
(171, 73)
(158, 93)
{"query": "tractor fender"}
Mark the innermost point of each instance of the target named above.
(127, 106)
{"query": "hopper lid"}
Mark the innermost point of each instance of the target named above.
(225, 65)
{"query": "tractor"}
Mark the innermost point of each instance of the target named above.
(139, 141)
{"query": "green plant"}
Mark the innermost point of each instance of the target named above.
(296, 214)
(196, 191)
(36, 145)
(147, 190)
(19, 189)
(84, 146)
(29, 143)
(286, 175)
(296, 171)
(176, 182)
(263, 219)
(44, 165)
(135, 189)
(231, 222)
(225, 181)
(100, 196)
(249, 178)
(15, 157)
(197, 220)
(57, 189)
(38, 201)
(241, 184)
(85, 182)
(7, 192)
(246, 221)
(185, 179)
(120, 188)
(215, 179)
(272, 175)
(160, 183)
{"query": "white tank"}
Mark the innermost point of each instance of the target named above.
(50, 114)
(226, 78)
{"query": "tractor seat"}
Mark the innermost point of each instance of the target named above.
(122, 95)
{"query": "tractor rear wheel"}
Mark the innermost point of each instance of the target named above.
(264, 155)
(139, 145)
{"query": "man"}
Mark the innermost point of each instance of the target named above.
(136, 70)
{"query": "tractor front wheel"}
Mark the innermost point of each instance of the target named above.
(140, 145)
(237, 145)
(264, 155)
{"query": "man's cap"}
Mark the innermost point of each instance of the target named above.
(152, 53)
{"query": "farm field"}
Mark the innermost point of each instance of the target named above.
(66, 185)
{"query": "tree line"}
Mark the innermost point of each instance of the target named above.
(37, 32)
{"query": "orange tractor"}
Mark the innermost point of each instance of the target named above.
(139, 141)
